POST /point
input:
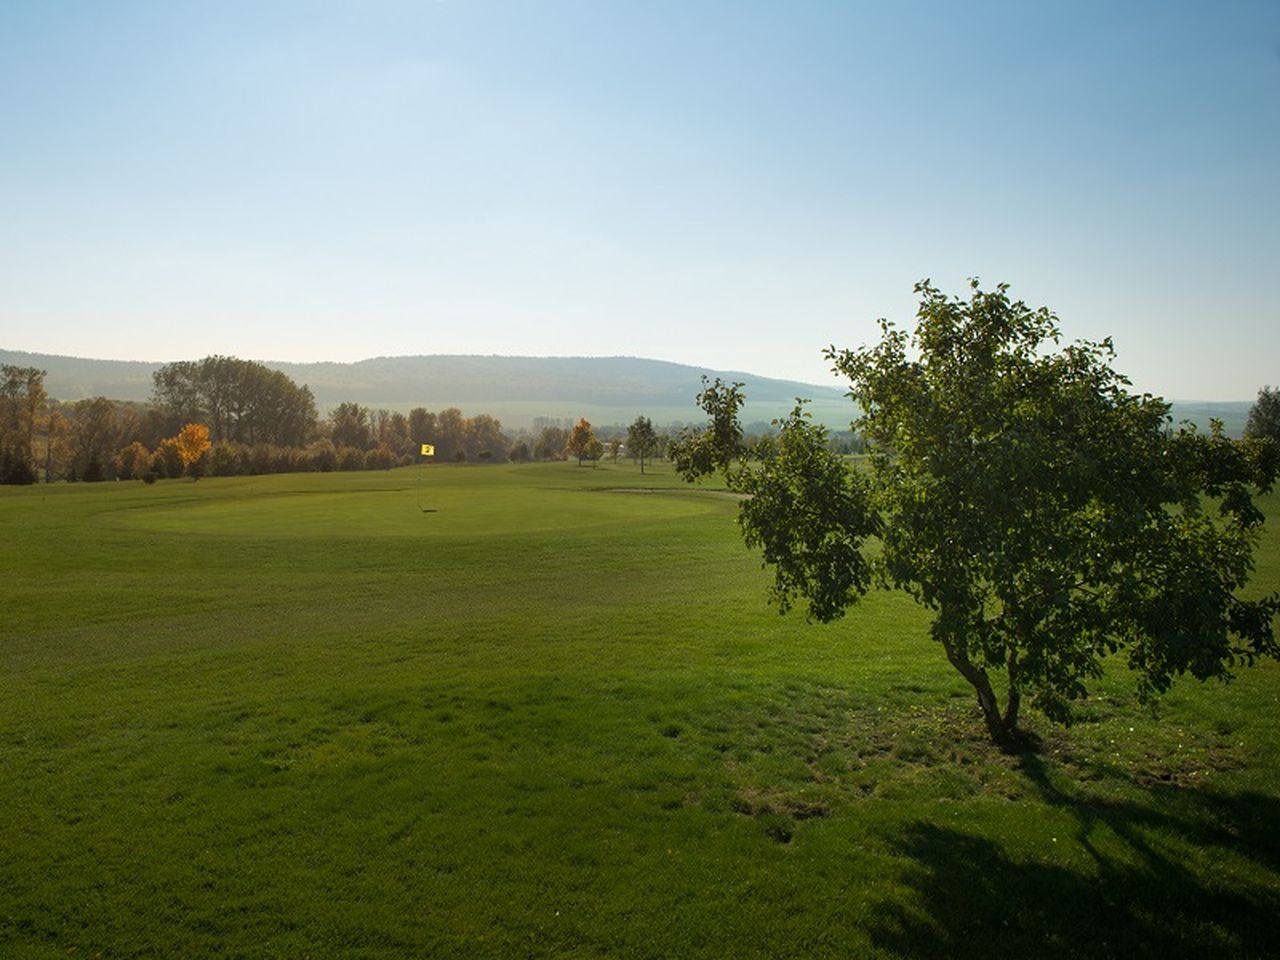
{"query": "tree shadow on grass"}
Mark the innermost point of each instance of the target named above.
(1189, 873)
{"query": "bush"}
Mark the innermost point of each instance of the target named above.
(223, 461)
(350, 458)
(379, 458)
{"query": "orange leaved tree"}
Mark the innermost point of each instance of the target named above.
(193, 444)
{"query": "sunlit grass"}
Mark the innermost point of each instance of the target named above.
(545, 711)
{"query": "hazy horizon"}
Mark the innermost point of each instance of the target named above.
(727, 185)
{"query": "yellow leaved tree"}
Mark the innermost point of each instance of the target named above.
(193, 444)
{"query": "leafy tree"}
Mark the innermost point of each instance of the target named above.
(1045, 516)
(642, 442)
(22, 401)
(238, 399)
(95, 435)
(422, 427)
(193, 443)
(132, 461)
(450, 435)
(551, 444)
(720, 445)
(349, 426)
(1264, 415)
(484, 438)
(167, 460)
(580, 441)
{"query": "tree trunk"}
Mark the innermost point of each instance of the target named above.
(1015, 696)
(1004, 734)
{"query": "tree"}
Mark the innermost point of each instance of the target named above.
(22, 400)
(193, 443)
(238, 399)
(581, 440)
(551, 444)
(132, 461)
(1045, 516)
(720, 445)
(642, 442)
(95, 436)
(1264, 415)
(349, 426)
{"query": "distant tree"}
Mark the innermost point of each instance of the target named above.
(95, 434)
(193, 443)
(349, 426)
(380, 458)
(1264, 415)
(451, 435)
(237, 399)
(642, 442)
(132, 461)
(22, 405)
(595, 450)
(551, 444)
(93, 472)
(615, 448)
(484, 439)
(519, 453)
(422, 427)
(580, 440)
(1045, 516)
(167, 460)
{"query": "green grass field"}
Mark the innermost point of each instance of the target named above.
(545, 711)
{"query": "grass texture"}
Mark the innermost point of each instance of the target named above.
(546, 711)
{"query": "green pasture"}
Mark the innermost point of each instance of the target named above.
(546, 711)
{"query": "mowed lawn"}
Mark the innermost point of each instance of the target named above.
(546, 711)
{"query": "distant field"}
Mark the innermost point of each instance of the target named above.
(545, 711)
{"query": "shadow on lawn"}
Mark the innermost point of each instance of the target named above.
(1140, 898)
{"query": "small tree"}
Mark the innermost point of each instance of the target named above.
(193, 443)
(641, 440)
(133, 461)
(1043, 514)
(580, 441)
(1264, 415)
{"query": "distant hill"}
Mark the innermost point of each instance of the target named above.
(514, 389)
(517, 390)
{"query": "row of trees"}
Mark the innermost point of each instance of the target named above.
(257, 421)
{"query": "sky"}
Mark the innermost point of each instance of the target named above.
(734, 185)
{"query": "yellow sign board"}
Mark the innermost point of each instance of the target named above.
(428, 450)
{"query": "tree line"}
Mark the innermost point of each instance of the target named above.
(257, 421)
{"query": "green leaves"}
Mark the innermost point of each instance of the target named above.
(1045, 514)
(810, 515)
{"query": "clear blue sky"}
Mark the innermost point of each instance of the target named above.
(731, 184)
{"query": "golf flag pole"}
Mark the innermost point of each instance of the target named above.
(428, 450)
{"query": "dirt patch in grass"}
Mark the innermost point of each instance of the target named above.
(813, 753)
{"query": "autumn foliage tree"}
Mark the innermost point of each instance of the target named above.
(193, 443)
(583, 443)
